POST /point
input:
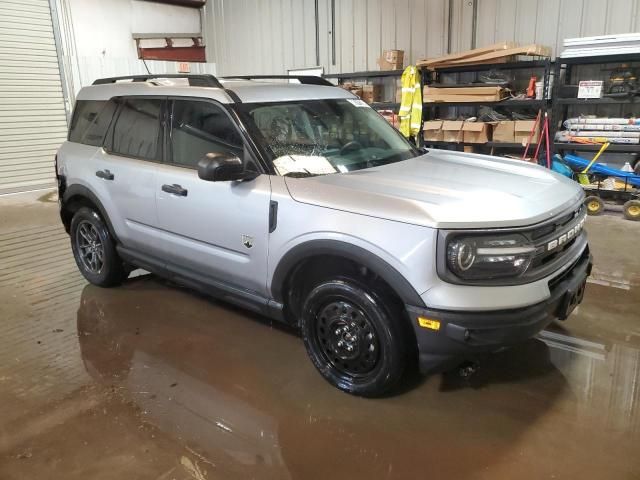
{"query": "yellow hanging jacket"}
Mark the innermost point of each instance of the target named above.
(411, 106)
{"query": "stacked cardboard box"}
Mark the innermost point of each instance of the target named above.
(476, 132)
(508, 131)
(514, 131)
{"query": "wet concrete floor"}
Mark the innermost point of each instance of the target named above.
(153, 381)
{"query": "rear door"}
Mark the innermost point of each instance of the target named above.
(217, 230)
(127, 168)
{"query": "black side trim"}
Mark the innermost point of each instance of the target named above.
(351, 252)
(77, 190)
(273, 216)
(205, 284)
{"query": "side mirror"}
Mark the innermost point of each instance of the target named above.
(220, 167)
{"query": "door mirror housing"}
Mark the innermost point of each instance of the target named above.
(220, 167)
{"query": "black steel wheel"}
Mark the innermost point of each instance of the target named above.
(353, 338)
(94, 249)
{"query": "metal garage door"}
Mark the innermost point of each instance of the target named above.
(32, 115)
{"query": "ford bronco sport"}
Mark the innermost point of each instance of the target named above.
(300, 202)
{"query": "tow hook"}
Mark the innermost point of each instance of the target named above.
(467, 369)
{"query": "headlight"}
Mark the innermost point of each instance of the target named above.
(488, 257)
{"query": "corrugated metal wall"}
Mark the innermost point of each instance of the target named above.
(32, 114)
(253, 36)
(550, 21)
(271, 36)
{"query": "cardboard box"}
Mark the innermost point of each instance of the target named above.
(504, 131)
(452, 131)
(463, 94)
(522, 129)
(432, 130)
(391, 60)
(476, 132)
(372, 93)
(483, 90)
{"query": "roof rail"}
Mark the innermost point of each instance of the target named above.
(304, 79)
(194, 80)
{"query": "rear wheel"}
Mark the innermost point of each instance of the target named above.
(94, 249)
(594, 204)
(632, 210)
(353, 337)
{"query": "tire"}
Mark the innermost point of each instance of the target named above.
(594, 204)
(353, 337)
(94, 250)
(632, 210)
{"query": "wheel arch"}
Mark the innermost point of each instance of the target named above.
(293, 259)
(77, 196)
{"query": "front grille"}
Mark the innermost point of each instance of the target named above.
(546, 261)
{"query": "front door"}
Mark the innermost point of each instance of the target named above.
(214, 229)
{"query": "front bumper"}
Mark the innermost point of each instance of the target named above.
(461, 335)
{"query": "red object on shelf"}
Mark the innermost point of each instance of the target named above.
(174, 54)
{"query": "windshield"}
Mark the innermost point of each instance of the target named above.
(317, 137)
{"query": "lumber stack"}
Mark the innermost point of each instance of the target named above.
(497, 53)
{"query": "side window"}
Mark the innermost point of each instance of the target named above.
(198, 128)
(91, 119)
(137, 131)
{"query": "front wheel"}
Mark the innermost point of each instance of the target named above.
(632, 210)
(353, 338)
(94, 250)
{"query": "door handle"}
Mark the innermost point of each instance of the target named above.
(105, 174)
(175, 189)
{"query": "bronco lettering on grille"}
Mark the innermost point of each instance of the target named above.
(567, 236)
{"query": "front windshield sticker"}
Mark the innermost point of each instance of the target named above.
(357, 102)
(313, 165)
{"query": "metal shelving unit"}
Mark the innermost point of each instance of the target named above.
(502, 103)
(440, 143)
(564, 73)
(364, 75)
(431, 110)
(583, 147)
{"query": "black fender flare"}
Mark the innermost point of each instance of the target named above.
(314, 248)
(82, 191)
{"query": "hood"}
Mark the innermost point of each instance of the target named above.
(445, 189)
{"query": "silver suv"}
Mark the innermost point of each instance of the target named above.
(300, 202)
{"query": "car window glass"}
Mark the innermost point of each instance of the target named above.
(198, 128)
(136, 132)
(319, 137)
(90, 121)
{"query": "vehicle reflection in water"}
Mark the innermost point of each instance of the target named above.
(244, 396)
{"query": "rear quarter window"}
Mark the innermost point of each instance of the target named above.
(90, 122)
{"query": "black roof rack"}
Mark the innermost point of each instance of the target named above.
(194, 80)
(304, 79)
